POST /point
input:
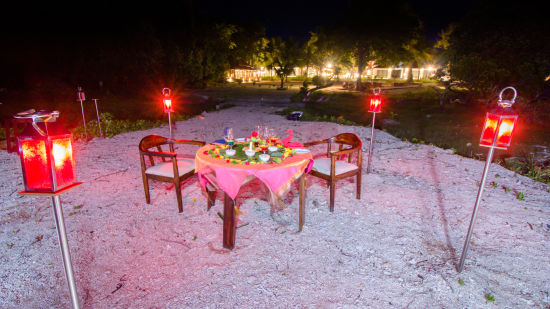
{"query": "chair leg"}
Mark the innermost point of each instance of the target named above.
(359, 185)
(178, 195)
(146, 189)
(332, 191)
(211, 198)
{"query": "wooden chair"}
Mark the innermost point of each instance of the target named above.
(333, 168)
(170, 168)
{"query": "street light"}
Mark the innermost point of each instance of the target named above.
(168, 107)
(497, 133)
(48, 169)
(375, 106)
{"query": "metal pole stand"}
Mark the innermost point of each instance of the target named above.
(474, 213)
(98, 121)
(371, 143)
(64, 246)
(170, 125)
(83, 118)
(62, 235)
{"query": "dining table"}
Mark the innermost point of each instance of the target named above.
(228, 175)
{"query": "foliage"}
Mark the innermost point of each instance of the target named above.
(369, 39)
(284, 56)
(488, 52)
(318, 80)
(111, 126)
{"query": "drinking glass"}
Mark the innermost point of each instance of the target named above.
(259, 129)
(272, 135)
(229, 137)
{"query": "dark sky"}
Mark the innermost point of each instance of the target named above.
(281, 18)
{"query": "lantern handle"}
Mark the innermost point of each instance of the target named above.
(507, 103)
(41, 115)
(166, 92)
(377, 91)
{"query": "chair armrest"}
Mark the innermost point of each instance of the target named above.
(308, 144)
(343, 152)
(158, 154)
(189, 142)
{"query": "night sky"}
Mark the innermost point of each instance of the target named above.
(286, 18)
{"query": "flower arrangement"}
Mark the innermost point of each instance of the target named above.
(240, 157)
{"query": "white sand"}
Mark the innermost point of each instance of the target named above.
(396, 247)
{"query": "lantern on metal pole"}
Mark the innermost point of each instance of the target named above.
(46, 153)
(375, 106)
(497, 133)
(81, 97)
(168, 107)
(98, 121)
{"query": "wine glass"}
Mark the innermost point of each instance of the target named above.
(259, 128)
(272, 135)
(229, 140)
(265, 133)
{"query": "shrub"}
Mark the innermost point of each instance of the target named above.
(319, 80)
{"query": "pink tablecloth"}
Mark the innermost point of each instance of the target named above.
(229, 177)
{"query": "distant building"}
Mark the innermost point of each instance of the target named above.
(247, 73)
(244, 72)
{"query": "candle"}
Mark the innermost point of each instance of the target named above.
(250, 147)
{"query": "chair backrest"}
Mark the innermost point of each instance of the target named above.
(347, 139)
(154, 141)
(151, 141)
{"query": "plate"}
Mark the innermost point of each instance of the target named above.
(240, 140)
(301, 150)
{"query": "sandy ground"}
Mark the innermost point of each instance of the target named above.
(396, 247)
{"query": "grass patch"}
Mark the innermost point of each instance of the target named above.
(415, 116)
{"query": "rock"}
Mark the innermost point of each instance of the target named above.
(389, 121)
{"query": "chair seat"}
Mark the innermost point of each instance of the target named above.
(166, 169)
(323, 166)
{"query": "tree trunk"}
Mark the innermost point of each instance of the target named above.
(360, 72)
(282, 81)
(360, 67)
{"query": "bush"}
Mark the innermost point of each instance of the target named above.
(239, 80)
(319, 80)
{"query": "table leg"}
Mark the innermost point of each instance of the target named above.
(302, 211)
(228, 222)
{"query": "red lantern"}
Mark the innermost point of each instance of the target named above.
(375, 101)
(167, 100)
(46, 154)
(499, 124)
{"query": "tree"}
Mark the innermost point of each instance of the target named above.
(376, 31)
(284, 56)
(498, 46)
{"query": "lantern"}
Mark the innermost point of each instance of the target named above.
(46, 154)
(499, 124)
(168, 107)
(496, 134)
(375, 101)
(167, 100)
(82, 97)
(375, 106)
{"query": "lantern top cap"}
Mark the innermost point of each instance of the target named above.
(36, 116)
(377, 91)
(42, 115)
(507, 103)
(166, 92)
